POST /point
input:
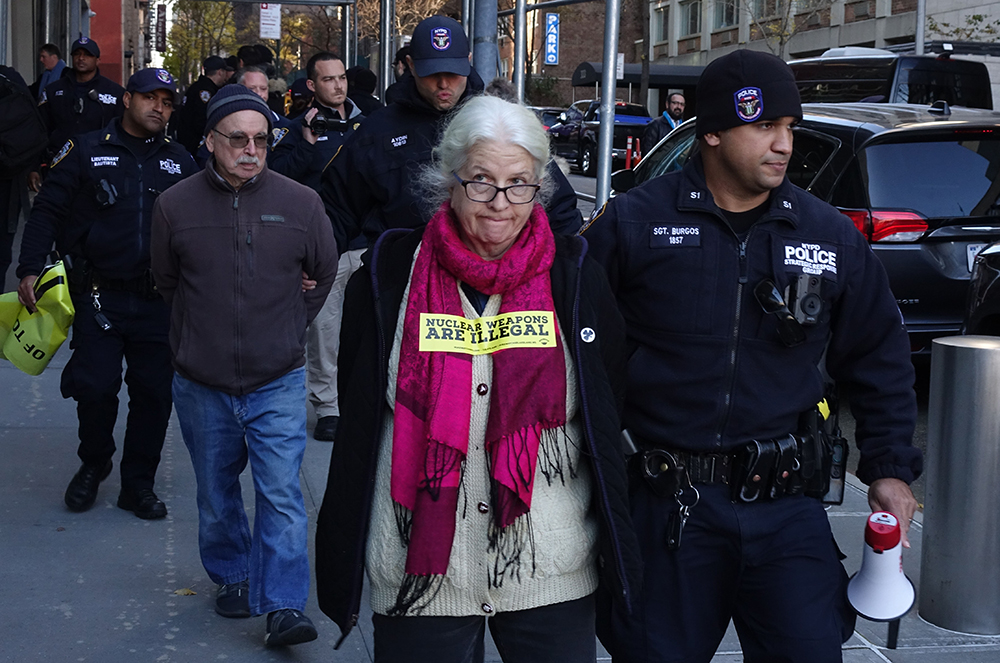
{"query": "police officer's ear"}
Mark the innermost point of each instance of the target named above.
(311, 85)
(127, 99)
(712, 139)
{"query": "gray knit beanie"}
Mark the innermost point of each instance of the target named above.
(231, 99)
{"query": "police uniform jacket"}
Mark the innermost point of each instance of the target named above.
(194, 112)
(303, 161)
(707, 369)
(585, 309)
(369, 186)
(74, 210)
(102, 102)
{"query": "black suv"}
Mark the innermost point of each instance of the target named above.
(575, 136)
(875, 75)
(921, 183)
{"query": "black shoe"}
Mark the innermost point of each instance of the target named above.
(326, 429)
(82, 490)
(233, 600)
(143, 503)
(288, 627)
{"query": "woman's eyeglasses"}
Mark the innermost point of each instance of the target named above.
(483, 192)
(239, 141)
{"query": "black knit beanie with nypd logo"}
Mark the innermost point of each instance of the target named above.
(743, 87)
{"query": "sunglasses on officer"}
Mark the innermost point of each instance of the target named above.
(790, 331)
(238, 140)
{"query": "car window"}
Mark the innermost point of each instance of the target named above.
(958, 83)
(550, 117)
(811, 151)
(671, 155)
(938, 178)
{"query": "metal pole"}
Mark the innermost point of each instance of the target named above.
(960, 559)
(354, 37)
(387, 10)
(345, 32)
(921, 21)
(520, 45)
(467, 16)
(484, 40)
(608, 84)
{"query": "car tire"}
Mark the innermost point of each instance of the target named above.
(588, 164)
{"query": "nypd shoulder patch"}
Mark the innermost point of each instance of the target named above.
(205, 96)
(62, 153)
(277, 134)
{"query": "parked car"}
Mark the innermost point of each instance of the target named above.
(921, 183)
(548, 115)
(575, 136)
(982, 315)
(876, 75)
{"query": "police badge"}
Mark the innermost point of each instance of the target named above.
(164, 76)
(441, 39)
(749, 104)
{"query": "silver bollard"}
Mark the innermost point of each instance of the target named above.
(960, 564)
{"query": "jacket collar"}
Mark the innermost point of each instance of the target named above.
(216, 180)
(693, 195)
(411, 98)
(113, 131)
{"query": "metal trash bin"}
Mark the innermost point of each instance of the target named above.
(960, 564)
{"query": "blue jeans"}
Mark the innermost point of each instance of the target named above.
(221, 432)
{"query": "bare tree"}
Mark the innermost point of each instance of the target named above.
(777, 21)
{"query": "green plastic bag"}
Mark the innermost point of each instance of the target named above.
(29, 340)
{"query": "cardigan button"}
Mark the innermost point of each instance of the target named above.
(487, 608)
(482, 389)
(483, 507)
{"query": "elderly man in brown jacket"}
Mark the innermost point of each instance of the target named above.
(229, 251)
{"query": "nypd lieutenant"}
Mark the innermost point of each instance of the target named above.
(79, 101)
(96, 206)
(743, 296)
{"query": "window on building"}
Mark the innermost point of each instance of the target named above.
(691, 17)
(727, 13)
(660, 24)
(767, 8)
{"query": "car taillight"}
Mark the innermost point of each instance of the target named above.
(897, 226)
(887, 225)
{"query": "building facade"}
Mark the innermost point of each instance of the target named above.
(120, 27)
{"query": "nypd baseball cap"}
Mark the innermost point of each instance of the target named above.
(215, 63)
(742, 87)
(152, 78)
(86, 44)
(439, 45)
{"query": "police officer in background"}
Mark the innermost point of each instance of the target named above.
(96, 206)
(742, 294)
(191, 116)
(369, 186)
(303, 156)
(79, 101)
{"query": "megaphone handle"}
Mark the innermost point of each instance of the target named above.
(893, 636)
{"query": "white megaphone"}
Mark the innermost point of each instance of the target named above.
(880, 591)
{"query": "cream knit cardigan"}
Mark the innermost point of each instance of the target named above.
(563, 525)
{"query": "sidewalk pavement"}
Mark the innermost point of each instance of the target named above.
(106, 586)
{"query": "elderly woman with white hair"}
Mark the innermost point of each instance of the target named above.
(477, 471)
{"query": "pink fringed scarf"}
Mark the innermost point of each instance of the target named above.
(434, 392)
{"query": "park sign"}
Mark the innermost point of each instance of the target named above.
(551, 38)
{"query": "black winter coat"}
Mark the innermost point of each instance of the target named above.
(75, 210)
(584, 304)
(708, 371)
